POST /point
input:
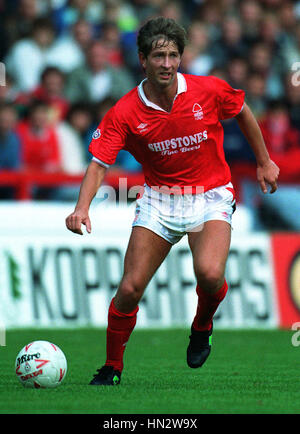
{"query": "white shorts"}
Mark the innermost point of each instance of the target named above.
(172, 216)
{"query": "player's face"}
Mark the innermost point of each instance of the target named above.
(162, 63)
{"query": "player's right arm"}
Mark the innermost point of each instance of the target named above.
(90, 184)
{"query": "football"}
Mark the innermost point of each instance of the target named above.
(41, 364)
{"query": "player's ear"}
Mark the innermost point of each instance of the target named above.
(142, 59)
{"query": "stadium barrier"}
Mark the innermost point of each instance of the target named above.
(23, 181)
(52, 277)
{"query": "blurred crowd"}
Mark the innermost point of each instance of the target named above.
(68, 61)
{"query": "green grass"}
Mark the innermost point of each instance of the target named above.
(248, 371)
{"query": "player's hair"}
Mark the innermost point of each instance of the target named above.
(158, 29)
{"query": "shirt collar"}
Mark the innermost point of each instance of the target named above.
(181, 87)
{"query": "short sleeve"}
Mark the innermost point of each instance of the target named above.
(108, 139)
(230, 101)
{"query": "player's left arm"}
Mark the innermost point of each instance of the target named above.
(267, 170)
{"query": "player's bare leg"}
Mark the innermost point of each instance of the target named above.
(145, 252)
(210, 248)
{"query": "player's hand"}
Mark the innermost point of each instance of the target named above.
(268, 174)
(76, 219)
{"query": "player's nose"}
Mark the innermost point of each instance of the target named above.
(166, 62)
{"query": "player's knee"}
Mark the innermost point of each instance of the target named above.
(130, 291)
(210, 278)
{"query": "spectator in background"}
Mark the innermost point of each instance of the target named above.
(284, 145)
(80, 120)
(282, 138)
(51, 92)
(121, 13)
(237, 72)
(269, 4)
(144, 9)
(286, 13)
(17, 24)
(250, 15)
(10, 145)
(82, 124)
(271, 35)
(28, 57)
(230, 44)
(173, 9)
(72, 160)
(219, 72)
(111, 37)
(256, 94)
(70, 149)
(262, 63)
(269, 32)
(292, 96)
(68, 50)
(290, 52)
(212, 14)
(236, 147)
(96, 80)
(124, 160)
(199, 42)
(283, 142)
(101, 109)
(188, 57)
(83, 34)
(40, 149)
(65, 16)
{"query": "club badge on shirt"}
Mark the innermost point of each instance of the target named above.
(96, 134)
(198, 112)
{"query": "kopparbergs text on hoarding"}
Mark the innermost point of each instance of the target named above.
(66, 282)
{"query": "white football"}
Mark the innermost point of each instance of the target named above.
(41, 364)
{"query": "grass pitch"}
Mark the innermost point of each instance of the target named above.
(248, 371)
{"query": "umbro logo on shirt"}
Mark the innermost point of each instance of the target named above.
(142, 127)
(198, 112)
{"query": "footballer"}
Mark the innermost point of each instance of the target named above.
(171, 124)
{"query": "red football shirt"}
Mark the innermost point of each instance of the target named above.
(39, 151)
(183, 147)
